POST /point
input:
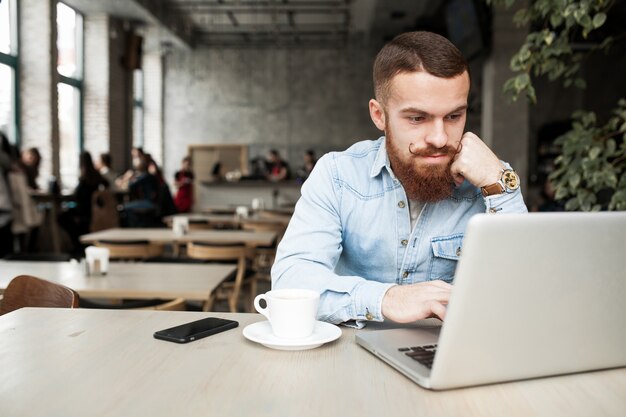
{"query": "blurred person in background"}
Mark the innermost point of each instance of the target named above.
(183, 180)
(164, 201)
(103, 165)
(309, 162)
(31, 160)
(76, 220)
(277, 168)
(6, 203)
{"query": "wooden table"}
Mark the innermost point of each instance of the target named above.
(57, 362)
(126, 280)
(167, 236)
(229, 219)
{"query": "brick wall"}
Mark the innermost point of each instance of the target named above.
(38, 83)
(96, 85)
(286, 99)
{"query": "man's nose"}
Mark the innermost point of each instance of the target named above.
(437, 137)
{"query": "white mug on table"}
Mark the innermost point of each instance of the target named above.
(180, 225)
(291, 312)
(97, 260)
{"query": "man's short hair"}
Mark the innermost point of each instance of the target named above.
(414, 52)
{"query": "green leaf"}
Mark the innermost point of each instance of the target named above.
(594, 152)
(598, 20)
(561, 193)
(574, 180)
(572, 204)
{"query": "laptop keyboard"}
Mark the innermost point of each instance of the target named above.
(423, 354)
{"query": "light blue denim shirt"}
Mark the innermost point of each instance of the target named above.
(350, 236)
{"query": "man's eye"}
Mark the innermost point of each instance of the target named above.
(454, 116)
(417, 119)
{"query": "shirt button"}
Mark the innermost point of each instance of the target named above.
(458, 251)
(369, 316)
(401, 204)
(404, 242)
(493, 210)
(405, 274)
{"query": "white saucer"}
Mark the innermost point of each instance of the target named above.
(261, 332)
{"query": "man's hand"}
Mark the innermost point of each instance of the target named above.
(408, 303)
(476, 163)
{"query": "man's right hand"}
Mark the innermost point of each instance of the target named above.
(408, 303)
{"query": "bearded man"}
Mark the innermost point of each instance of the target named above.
(379, 227)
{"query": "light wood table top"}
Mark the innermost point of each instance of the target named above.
(167, 236)
(126, 279)
(61, 362)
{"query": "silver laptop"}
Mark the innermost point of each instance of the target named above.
(534, 295)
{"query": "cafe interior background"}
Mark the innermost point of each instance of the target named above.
(229, 80)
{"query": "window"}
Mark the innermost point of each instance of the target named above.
(138, 113)
(70, 90)
(8, 69)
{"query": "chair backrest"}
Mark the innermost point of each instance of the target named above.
(223, 252)
(28, 291)
(104, 214)
(177, 304)
(265, 226)
(38, 257)
(132, 249)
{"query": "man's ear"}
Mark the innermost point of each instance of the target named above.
(377, 113)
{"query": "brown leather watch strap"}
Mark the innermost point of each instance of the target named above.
(493, 189)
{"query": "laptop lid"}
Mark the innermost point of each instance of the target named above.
(535, 295)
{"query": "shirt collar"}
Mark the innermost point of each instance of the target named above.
(382, 159)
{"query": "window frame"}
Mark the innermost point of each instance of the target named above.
(75, 81)
(12, 61)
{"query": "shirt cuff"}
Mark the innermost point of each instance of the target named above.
(368, 301)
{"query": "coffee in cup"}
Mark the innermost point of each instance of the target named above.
(291, 312)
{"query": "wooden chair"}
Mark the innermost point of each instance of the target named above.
(177, 304)
(104, 214)
(28, 291)
(230, 289)
(262, 256)
(132, 249)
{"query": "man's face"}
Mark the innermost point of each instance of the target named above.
(423, 120)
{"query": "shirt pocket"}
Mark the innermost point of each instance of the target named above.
(446, 251)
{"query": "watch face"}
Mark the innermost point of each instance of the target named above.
(510, 179)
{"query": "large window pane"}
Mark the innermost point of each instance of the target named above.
(69, 122)
(69, 41)
(7, 88)
(5, 27)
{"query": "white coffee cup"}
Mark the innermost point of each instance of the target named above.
(241, 212)
(180, 225)
(258, 204)
(97, 260)
(291, 312)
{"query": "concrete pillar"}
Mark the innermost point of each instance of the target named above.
(96, 85)
(38, 83)
(153, 105)
(107, 89)
(504, 124)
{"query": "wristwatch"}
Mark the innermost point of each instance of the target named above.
(508, 182)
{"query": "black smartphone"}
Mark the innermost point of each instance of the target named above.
(195, 330)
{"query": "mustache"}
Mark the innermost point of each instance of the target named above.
(432, 150)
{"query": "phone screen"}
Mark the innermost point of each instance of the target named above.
(194, 330)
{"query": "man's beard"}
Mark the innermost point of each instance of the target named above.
(429, 183)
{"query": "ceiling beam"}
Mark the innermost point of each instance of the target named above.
(180, 26)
